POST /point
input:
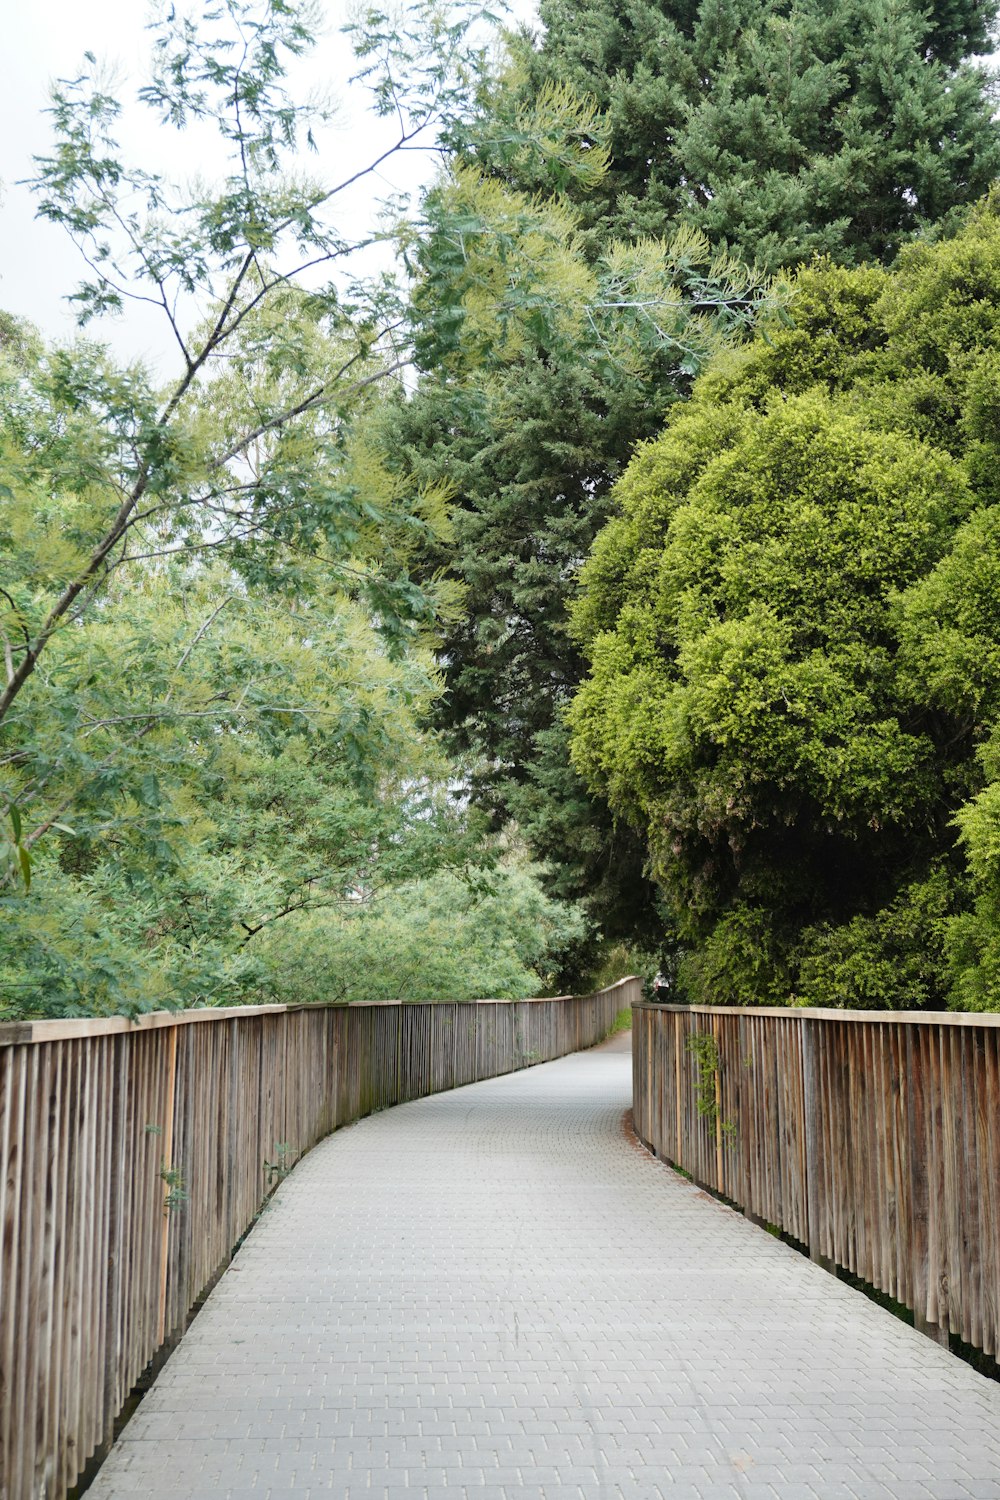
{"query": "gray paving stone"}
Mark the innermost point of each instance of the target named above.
(492, 1294)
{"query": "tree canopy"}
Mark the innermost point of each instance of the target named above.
(217, 667)
(791, 629)
(780, 130)
(289, 648)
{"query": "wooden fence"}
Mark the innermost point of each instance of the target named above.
(136, 1154)
(872, 1138)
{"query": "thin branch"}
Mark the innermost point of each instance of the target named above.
(400, 145)
(158, 282)
(198, 635)
(43, 828)
(286, 911)
(8, 649)
(120, 291)
(310, 403)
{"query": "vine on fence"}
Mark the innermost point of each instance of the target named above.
(284, 1160)
(704, 1048)
(177, 1193)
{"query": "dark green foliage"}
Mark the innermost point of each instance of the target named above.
(532, 466)
(780, 130)
(792, 627)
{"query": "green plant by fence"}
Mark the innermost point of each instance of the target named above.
(136, 1154)
(872, 1138)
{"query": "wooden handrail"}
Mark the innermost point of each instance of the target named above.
(17, 1033)
(825, 1013)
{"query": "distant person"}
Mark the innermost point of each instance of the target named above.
(661, 988)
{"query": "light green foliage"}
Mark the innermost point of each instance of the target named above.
(199, 762)
(792, 633)
(216, 749)
(450, 936)
(506, 278)
(177, 1194)
(616, 960)
(504, 274)
(771, 582)
(622, 1022)
(703, 1047)
(216, 666)
(224, 731)
(973, 938)
(894, 959)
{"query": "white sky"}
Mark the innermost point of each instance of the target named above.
(39, 265)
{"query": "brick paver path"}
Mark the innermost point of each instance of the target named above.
(491, 1293)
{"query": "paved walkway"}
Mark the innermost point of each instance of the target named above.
(492, 1294)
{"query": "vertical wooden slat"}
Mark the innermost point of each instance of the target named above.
(12, 1069)
(952, 1171)
(25, 1350)
(815, 1155)
(115, 1270)
(970, 1178)
(990, 1116)
(49, 1322)
(168, 1162)
(61, 1260)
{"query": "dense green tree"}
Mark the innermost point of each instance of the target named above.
(199, 763)
(222, 748)
(214, 676)
(792, 633)
(447, 936)
(780, 128)
(531, 460)
(778, 131)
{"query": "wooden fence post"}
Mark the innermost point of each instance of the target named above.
(815, 1216)
(167, 1165)
(113, 1290)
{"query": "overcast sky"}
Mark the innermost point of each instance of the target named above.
(47, 40)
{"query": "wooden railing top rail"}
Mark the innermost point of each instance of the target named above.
(818, 1013)
(18, 1033)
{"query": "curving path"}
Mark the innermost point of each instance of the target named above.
(492, 1293)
